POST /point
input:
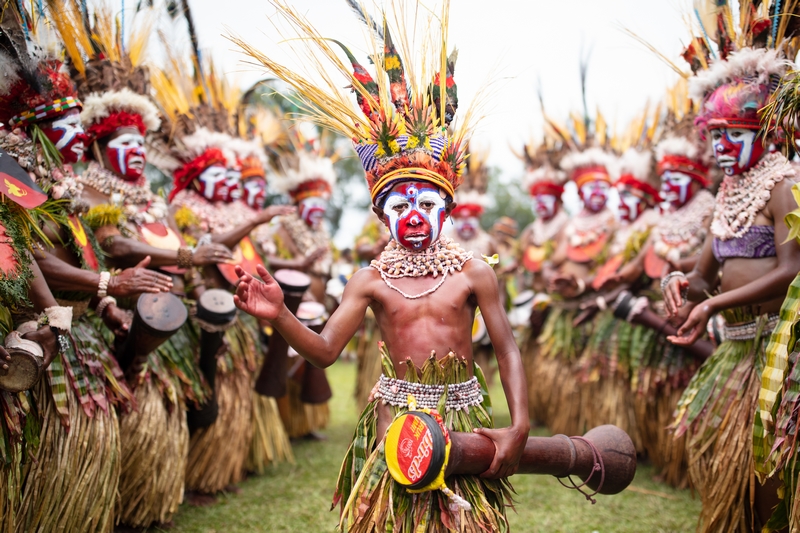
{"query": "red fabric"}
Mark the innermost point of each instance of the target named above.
(310, 188)
(188, 172)
(21, 96)
(467, 210)
(630, 181)
(115, 121)
(691, 168)
(546, 187)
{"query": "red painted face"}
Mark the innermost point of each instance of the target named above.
(676, 190)
(312, 210)
(594, 194)
(211, 183)
(415, 213)
(66, 133)
(736, 150)
(255, 191)
(126, 154)
(630, 205)
(546, 206)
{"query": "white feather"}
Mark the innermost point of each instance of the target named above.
(309, 168)
(587, 158)
(754, 63)
(243, 149)
(544, 174)
(203, 139)
(638, 164)
(98, 106)
(472, 197)
(9, 70)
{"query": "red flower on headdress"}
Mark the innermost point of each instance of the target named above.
(188, 172)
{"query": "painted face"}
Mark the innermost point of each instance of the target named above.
(233, 181)
(736, 150)
(255, 190)
(630, 205)
(67, 134)
(312, 210)
(545, 205)
(211, 184)
(594, 194)
(126, 154)
(676, 190)
(415, 212)
(466, 227)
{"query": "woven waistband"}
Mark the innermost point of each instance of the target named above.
(459, 395)
(747, 330)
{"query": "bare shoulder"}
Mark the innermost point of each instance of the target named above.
(781, 200)
(479, 271)
(363, 282)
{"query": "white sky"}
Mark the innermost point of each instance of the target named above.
(520, 42)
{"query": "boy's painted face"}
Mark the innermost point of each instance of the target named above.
(676, 189)
(67, 134)
(233, 181)
(415, 212)
(545, 205)
(736, 150)
(211, 184)
(126, 154)
(594, 194)
(312, 210)
(255, 191)
(466, 227)
(630, 205)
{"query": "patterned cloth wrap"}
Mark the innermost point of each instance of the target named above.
(758, 242)
(371, 500)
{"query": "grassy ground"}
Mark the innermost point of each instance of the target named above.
(296, 498)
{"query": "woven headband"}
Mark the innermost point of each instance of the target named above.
(45, 111)
(414, 173)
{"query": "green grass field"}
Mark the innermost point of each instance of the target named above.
(296, 498)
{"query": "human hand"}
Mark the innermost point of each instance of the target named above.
(312, 258)
(509, 443)
(262, 299)
(673, 294)
(564, 284)
(46, 338)
(211, 254)
(695, 325)
(139, 279)
(5, 357)
(118, 321)
(275, 211)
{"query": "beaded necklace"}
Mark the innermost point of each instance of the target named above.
(740, 199)
(139, 203)
(442, 257)
(307, 240)
(681, 233)
(587, 228)
(544, 231)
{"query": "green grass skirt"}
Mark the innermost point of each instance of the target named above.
(371, 501)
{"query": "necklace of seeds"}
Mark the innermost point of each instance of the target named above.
(740, 199)
(442, 257)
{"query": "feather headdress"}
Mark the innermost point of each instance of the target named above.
(104, 113)
(399, 124)
(471, 197)
(681, 154)
(590, 164)
(635, 170)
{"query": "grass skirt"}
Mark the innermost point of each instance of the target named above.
(538, 393)
(716, 413)
(775, 430)
(16, 422)
(369, 360)
(298, 417)
(70, 483)
(555, 373)
(218, 453)
(371, 501)
(604, 371)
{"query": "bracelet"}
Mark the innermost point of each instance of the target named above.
(102, 287)
(622, 305)
(104, 303)
(61, 340)
(601, 303)
(581, 286)
(669, 277)
(185, 256)
(57, 317)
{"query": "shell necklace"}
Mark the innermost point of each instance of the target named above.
(543, 231)
(681, 233)
(139, 203)
(740, 199)
(442, 257)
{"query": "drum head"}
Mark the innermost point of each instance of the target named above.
(216, 306)
(24, 370)
(415, 449)
(162, 314)
(292, 280)
(525, 297)
(478, 328)
(312, 313)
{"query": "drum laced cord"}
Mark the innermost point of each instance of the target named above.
(598, 467)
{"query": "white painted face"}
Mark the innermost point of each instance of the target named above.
(233, 178)
(675, 189)
(212, 183)
(735, 148)
(466, 227)
(70, 127)
(545, 206)
(415, 211)
(594, 194)
(127, 154)
(312, 210)
(630, 206)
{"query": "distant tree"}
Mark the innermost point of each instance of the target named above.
(507, 199)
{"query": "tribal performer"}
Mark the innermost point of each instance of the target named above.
(586, 238)
(614, 346)
(539, 240)
(131, 223)
(742, 273)
(303, 243)
(413, 165)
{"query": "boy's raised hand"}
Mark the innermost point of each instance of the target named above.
(262, 299)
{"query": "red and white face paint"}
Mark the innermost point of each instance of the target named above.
(312, 210)
(127, 156)
(594, 194)
(545, 206)
(415, 213)
(67, 134)
(736, 150)
(255, 191)
(211, 184)
(466, 226)
(676, 190)
(630, 205)
(233, 181)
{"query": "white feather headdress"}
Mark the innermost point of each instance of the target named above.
(757, 65)
(99, 106)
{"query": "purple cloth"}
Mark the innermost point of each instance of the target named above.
(756, 243)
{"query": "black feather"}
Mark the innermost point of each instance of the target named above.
(366, 18)
(15, 43)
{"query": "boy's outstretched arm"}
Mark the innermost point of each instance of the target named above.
(509, 442)
(264, 300)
